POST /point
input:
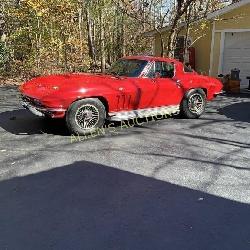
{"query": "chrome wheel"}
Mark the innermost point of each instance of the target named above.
(87, 116)
(196, 103)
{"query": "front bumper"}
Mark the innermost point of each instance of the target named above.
(219, 93)
(29, 104)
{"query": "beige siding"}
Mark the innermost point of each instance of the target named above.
(202, 47)
(236, 19)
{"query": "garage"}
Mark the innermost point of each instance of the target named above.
(237, 54)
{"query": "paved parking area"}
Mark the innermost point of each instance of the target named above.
(166, 184)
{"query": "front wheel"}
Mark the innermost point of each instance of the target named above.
(194, 103)
(85, 116)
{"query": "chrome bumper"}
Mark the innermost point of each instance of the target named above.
(40, 111)
(220, 93)
(32, 109)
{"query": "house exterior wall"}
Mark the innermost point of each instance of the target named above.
(202, 43)
(236, 20)
(208, 60)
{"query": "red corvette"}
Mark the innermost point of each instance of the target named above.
(137, 86)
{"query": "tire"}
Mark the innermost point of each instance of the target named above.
(83, 117)
(194, 103)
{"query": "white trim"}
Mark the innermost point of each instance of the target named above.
(227, 9)
(233, 30)
(222, 44)
(212, 50)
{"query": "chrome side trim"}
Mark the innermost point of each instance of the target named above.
(140, 113)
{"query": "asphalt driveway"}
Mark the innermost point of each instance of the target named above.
(166, 184)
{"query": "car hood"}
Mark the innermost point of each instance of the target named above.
(45, 85)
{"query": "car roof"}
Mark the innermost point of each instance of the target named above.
(152, 58)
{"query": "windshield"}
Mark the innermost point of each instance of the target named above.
(127, 67)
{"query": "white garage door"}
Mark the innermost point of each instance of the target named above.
(237, 54)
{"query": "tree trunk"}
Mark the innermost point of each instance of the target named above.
(123, 42)
(181, 8)
(172, 38)
(91, 45)
(38, 44)
(80, 10)
(187, 34)
(65, 52)
(102, 42)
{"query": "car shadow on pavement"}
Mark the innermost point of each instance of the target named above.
(21, 122)
(91, 206)
(237, 111)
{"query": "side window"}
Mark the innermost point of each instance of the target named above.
(151, 72)
(163, 69)
(166, 70)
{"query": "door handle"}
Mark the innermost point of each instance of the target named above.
(121, 88)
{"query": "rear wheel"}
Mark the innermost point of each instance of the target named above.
(85, 116)
(194, 103)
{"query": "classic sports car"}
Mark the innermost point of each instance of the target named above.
(135, 86)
